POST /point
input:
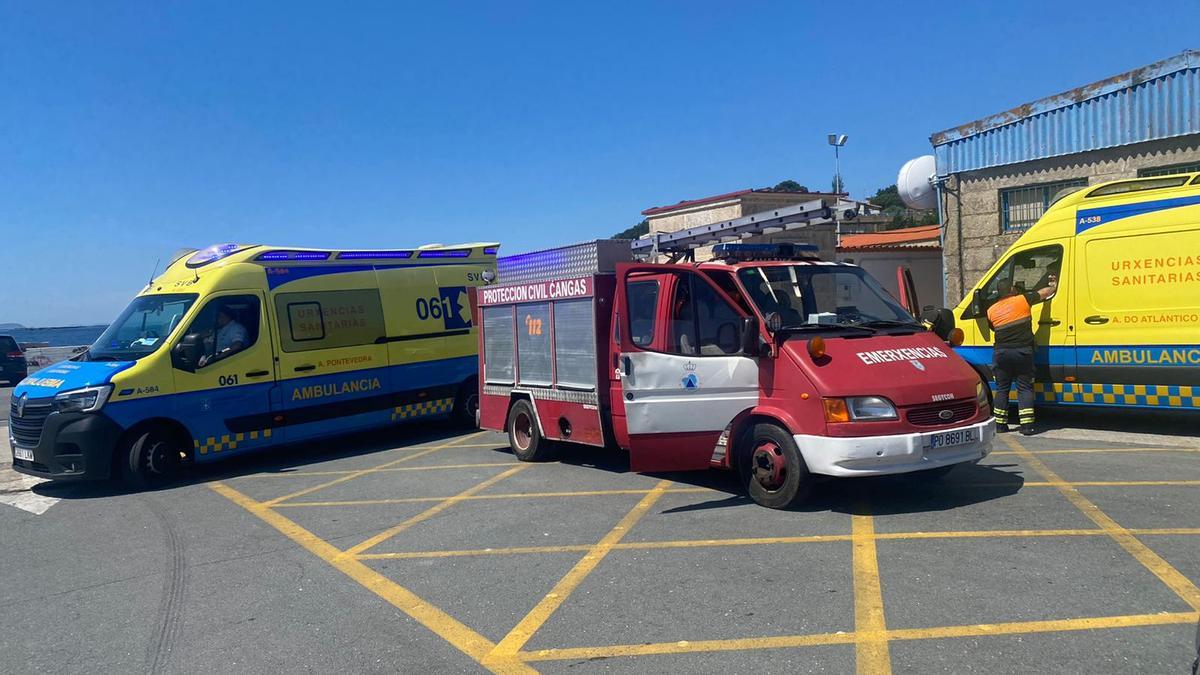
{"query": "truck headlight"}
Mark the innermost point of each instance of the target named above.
(88, 399)
(859, 409)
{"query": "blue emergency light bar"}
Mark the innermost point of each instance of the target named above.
(780, 251)
(212, 254)
(293, 255)
(367, 255)
(444, 253)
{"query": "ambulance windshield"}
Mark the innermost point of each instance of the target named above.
(823, 295)
(142, 328)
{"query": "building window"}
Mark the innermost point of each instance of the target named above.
(1021, 207)
(1169, 170)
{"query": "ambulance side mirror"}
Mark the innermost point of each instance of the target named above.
(186, 355)
(975, 309)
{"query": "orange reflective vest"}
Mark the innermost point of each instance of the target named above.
(1007, 311)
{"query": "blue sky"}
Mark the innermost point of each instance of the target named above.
(128, 130)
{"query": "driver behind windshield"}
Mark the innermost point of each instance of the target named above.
(231, 337)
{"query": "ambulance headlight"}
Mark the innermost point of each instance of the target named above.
(88, 399)
(869, 408)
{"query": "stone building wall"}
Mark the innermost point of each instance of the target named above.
(973, 203)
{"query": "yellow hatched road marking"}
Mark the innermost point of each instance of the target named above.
(689, 646)
(1177, 582)
(774, 541)
(507, 649)
(1050, 626)
(364, 472)
(345, 472)
(445, 626)
(870, 628)
(1083, 483)
(786, 641)
(1072, 451)
(501, 495)
(444, 503)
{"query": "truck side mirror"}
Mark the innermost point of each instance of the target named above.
(750, 336)
(186, 354)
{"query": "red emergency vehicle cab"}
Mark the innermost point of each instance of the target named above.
(766, 360)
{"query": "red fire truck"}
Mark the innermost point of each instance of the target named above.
(765, 360)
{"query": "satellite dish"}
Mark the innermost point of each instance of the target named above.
(915, 183)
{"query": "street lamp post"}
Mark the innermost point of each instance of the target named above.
(837, 141)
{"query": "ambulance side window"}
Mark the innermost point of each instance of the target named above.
(226, 325)
(642, 299)
(325, 319)
(1025, 271)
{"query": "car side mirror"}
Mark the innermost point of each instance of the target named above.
(186, 354)
(750, 336)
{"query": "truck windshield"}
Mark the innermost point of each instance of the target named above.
(815, 295)
(142, 328)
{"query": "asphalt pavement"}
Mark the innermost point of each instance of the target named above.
(428, 549)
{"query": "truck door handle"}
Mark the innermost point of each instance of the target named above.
(1096, 320)
(1051, 322)
(300, 369)
(626, 368)
(258, 373)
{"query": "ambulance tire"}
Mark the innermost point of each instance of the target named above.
(524, 437)
(772, 470)
(466, 405)
(148, 460)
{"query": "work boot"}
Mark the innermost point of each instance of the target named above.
(1001, 428)
(1027, 430)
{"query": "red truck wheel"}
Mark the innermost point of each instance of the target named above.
(772, 469)
(524, 437)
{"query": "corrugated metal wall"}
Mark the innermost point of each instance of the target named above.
(1162, 107)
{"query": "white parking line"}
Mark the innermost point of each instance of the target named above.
(15, 488)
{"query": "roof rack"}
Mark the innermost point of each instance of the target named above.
(814, 212)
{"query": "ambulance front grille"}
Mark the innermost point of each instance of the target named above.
(27, 427)
(938, 414)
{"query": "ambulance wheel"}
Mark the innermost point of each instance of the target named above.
(524, 437)
(149, 459)
(772, 469)
(466, 405)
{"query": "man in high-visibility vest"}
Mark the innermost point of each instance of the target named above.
(1012, 358)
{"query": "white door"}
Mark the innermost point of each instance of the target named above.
(683, 375)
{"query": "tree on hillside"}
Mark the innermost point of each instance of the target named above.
(634, 232)
(888, 199)
(789, 185)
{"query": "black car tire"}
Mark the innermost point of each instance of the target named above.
(772, 469)
(149, 459)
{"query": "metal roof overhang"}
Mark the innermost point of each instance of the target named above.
(1161, 100)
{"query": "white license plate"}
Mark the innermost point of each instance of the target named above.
(23, 453)
(949, 439)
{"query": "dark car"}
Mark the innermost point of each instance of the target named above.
(13, 366)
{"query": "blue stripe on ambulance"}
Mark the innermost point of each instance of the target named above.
(213, 437)
(1086, 219)
(1100, 394)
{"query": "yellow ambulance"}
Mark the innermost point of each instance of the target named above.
(237, 347)
(1124, 327)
